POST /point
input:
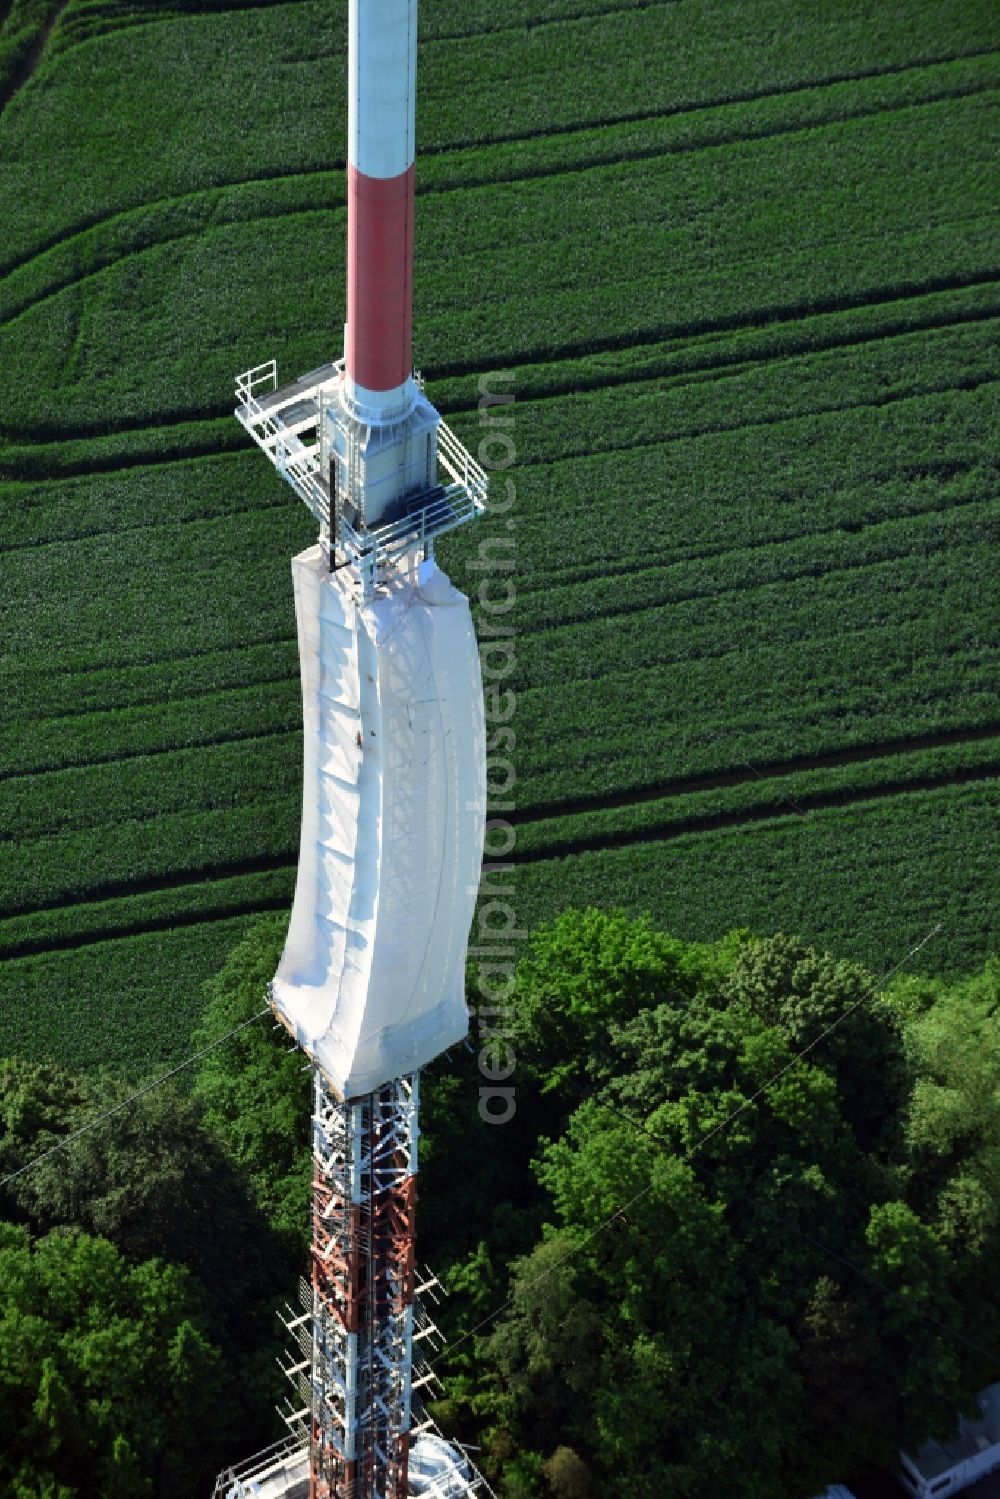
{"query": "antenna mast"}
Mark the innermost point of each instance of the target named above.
(371, 980)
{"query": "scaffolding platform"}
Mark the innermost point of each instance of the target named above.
(279, 1472)
(291, 424)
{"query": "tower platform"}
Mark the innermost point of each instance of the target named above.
(337, 462)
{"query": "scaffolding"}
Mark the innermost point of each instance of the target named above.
(361, 1292)
(358, 1366)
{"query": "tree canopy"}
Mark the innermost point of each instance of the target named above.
(110, 1384)
(743, 1279)
(741, 1229)
(254, 1090)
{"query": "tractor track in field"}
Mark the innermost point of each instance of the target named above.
(695, 433)
(773, 321)
(768, 770)
(221, 7)
(597, 161)
(818, 570)
(122, 931)
(757, 319)
(969, 383)
(600, 161)
(27, 474)
(74, 538)
(554, 582)
(566, 621)
(738, 360)
(803, 804)
(544, 23)
(89, 668)
(775, 771)
(573, 576)
(210, 740)
(24, 74)
(698, 106)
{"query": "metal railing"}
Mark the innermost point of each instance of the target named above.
(299, 464)
(294, 461)
(459, 464)
(372, 550)
(261, 374)
(292, 1449)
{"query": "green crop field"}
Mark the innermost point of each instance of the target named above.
(741, 262)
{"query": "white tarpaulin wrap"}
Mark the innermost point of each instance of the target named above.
(372, 977)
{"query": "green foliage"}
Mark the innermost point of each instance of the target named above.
(24, 24)
(254, 1089)
(143, 1179)
(955, 1046)
(953, 1126)
(144, 1173)
(727, 1237)
(833, 1007)
(567, 1475)
(584, 971)
(111, 1384)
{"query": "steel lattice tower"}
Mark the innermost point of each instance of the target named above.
(363, 1280)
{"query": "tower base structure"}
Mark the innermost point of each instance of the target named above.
(358, 1366)
(363, 1283)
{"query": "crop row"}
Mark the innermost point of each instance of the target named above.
(758, 795)
(237, 773)
(699, 695)
(130, 1005)
(65, 695)
(598, 70)
(749, 477)
(865, 210)
(124, 916)
(121, 234)
(162, 495)
(107, 861)
(688, 632)
(22, 25)
(54, 743)
(664, 393)
(706, 354)
(586, 73)
(868, 881)
(619, 732)
(204, 591)
(755, 795)
(143, 595)
(767, 593)
(781, 388)
(738, 603)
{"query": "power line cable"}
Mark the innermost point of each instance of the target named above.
(126, 1102)
(619, 1212)
(618, 1215)
(749, 1197)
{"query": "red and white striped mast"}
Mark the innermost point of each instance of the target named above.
(381, 136)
